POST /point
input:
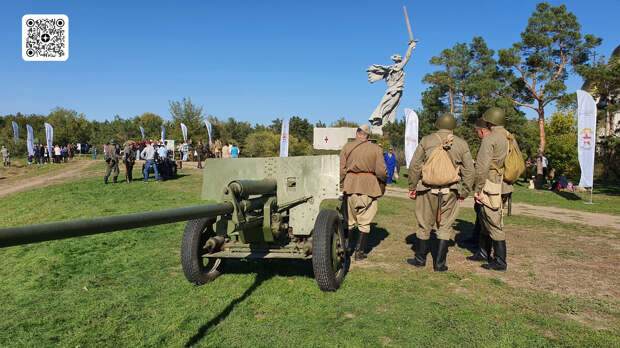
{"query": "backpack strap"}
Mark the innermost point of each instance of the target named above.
(501, 170)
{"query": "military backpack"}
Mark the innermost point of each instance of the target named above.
(439, 169)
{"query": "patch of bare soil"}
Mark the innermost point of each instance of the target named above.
(72, 171)
(558, 261)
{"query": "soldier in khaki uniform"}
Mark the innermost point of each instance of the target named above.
(362, 169)
(113, 156)
(489, 185)
(427, 197)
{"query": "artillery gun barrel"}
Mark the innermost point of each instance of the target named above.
(245, 188)
(18, 235)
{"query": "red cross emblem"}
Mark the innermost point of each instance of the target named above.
(326, 139)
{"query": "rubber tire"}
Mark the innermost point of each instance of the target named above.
(327, 223)
(197, 232)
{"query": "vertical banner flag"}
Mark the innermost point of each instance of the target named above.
(15, 131)
(411, 134)
(142, 131)
(284, 138)
(49, 136)
(184, 130)
(586, 126)
(163, 132)
(30, 139)
(208, 124)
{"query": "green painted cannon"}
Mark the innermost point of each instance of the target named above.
(268, 208)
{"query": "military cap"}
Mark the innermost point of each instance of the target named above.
(364, 128)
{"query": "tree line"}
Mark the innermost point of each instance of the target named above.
(470, 78)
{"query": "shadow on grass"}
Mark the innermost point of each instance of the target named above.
(567, 195)
(265, 270)
(376, 236)
(464, 239)
(152, 178)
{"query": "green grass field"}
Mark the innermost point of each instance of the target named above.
(128, 289)
(605, 196)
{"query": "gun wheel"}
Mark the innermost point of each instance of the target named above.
(197, 269)
(330, 261)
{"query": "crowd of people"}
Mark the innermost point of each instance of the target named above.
(441, 174)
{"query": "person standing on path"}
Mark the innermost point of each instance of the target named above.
(113, 156)
(148, 154)
(129, 158)
(481, 242)
(362, 172)
(5, 157)
(226, 151)
(234, 151)
(390, 163)
(437, 206)
(490, 167)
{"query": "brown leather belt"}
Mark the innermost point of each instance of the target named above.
(362, 173)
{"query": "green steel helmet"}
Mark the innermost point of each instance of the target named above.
(113, 142)
(446, 121)
(495, 116)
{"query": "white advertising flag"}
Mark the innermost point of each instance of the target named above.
(49, 136)
(411, 134)
(184, 130)
(142, 131)
(163, 132)
(30, 139)
(284, 138)
(208, 124)
(15, 131)
(586, 136)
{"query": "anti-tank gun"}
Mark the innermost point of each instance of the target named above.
(268, 208)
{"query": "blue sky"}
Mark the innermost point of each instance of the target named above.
(252, 60)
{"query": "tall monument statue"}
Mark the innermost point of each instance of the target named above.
(395, 79)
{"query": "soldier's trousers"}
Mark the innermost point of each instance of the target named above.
(361, 209)
(129, 170)
(491, 222)
(111, 167)
(426, 214)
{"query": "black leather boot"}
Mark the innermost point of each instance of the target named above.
(115, 179)
(439, 263)
(105, 180)
(360, 250)
(484, 250)
(421, 250)
(498, 263)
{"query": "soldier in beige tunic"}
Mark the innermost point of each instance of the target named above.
(362, 169)
(427, 197)
(489, 185)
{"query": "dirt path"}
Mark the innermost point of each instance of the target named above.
(74, 170)
(539, 211)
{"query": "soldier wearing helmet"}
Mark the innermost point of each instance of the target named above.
(436, 207)
(113, 156)
(489, 187)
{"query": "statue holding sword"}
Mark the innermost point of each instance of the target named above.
(395, 79)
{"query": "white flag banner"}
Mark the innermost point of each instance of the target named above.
(142, 131)
(284, 138)
(49, 136)
(208, 124)
(30, 139)
(15, 131)
(163, 132)
(184, 130)
(411, 134)
(586, 136)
